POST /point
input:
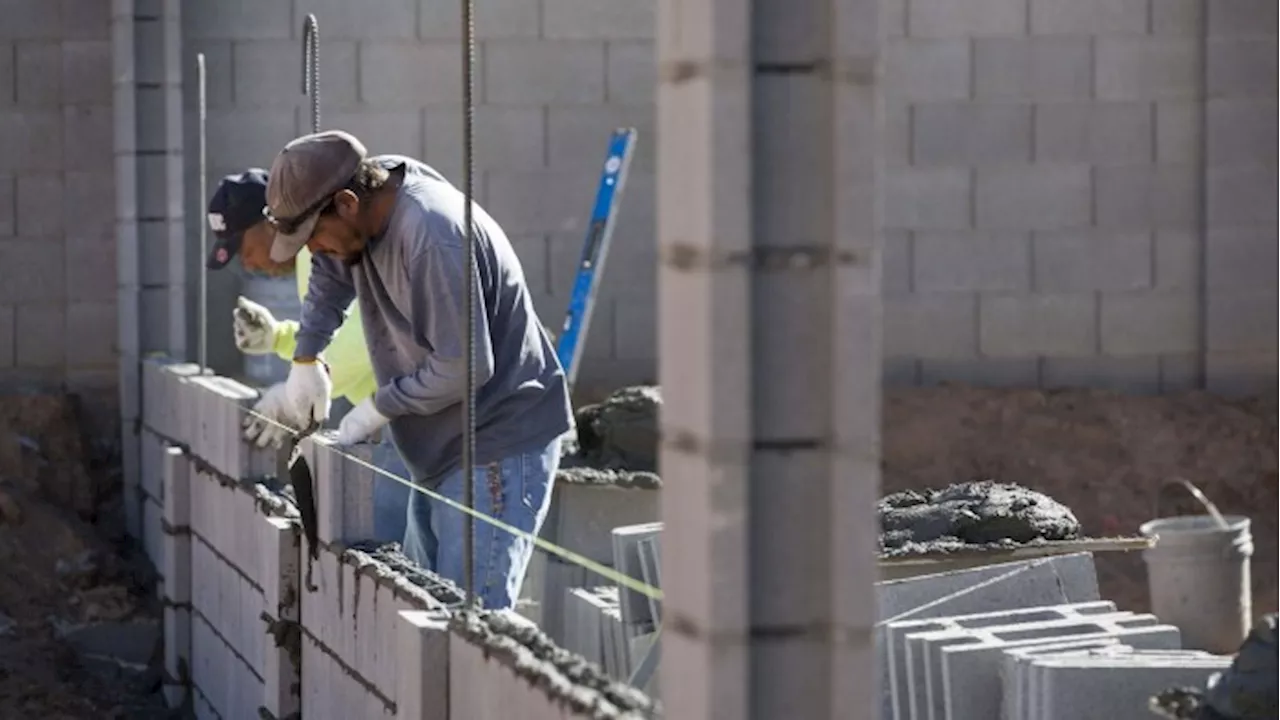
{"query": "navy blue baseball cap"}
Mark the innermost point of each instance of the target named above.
(235, 207)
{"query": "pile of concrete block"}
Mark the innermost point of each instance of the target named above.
(581, 519)
(1023, 640)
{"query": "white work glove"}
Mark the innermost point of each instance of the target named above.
(363, 420)
(308, 392)
(254, 327)
(273, 406)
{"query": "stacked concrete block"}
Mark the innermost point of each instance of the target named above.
(581, 519)
(343, 488)
(177, 575)
(637, 610)
(894, 637)
(1109, 685)
(594, 629)
(971, 674)
(218, 440)
(1013, 686)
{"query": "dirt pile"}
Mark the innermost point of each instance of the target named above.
(969, 514)
(63, 584)
(1248, 690)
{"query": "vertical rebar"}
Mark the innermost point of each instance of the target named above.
(469, 400)
(202, 350)
(311, 67)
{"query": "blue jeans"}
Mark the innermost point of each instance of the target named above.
(516, 491)
(390, 498)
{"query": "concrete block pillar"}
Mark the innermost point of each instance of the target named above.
(769, 334)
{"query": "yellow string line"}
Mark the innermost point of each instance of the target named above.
(605, 571)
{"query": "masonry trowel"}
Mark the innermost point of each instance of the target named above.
(304, 488)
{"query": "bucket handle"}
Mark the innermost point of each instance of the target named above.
(1195, 493)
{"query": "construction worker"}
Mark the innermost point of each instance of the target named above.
(395, 240)
(240, 229)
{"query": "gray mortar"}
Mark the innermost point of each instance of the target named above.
(390, 568)
(971, 515)
(563, 675)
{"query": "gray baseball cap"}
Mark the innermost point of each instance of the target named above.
(302, 182)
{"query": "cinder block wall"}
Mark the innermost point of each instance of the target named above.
(1047, 219)
(57, 212)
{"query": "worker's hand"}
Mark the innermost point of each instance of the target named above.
(308, 391)
(254, 327)
(363, 420)
(264, 426)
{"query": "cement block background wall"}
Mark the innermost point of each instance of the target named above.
(1077, 192)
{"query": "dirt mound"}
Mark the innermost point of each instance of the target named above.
(60, 578)
(977, 513)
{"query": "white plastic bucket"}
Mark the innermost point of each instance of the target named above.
(1198, 576)
(280, 296)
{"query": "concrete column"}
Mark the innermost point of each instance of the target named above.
(769, 355)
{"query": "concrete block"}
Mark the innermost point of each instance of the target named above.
(43, 277)
(1238, 131)
(1033, 197)
(980, 18)
(38, 81)
(1179, 132)
(527, 202)
(1241, 195)
(931, 325)
(7, 340)
(1239, 258)
(1241, 68)
(1095, 688)
(626, 560)
(534, 72)
(1138, 374)
(240, 20)
(928, 69)
(341, 20)
(41, 336)
(1094, 133)
(1042, 69)
(631, 72)
(924, 650)
(971, 134)
(511, 18)
(441, 86)
(86, 72)
(344, 491)
(588, 20)
(87, 286)
(274, 81)
(894, 634)
(176, 476)
(582, 517)
(1020, 325)
(560, 577)
(1134, 197)
(1178, 18)
(971, 262)
(927, 199)
(281, 598)
(506, 137)
(153, 532)
(39, 204)
(972, 677)
(177, 654)
(1241, 18)
(1089, 17)
(1085, 261)
(1146, 68)
(1147, 323)
(153, 465)
(1013, 689)
(30, 140)
(423, 665)
(1242, 321)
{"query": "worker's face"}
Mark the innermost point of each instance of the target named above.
(255, 251)
(338, 232)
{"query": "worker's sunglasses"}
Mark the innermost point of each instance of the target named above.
(289, 226)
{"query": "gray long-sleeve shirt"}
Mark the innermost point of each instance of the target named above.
(411, 287)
